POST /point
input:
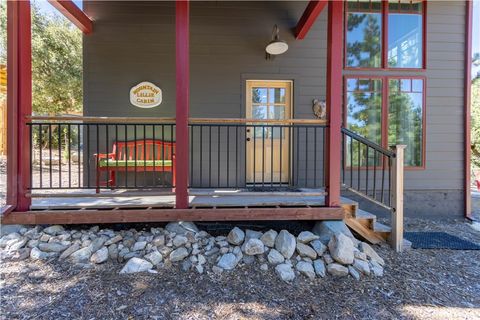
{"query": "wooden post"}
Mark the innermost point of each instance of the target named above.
(334, 101)
(19, 103)
(183, 102)
(396, 191)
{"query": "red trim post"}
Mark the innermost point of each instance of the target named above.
(74, 14)
(467, 101)
(309, 16)
(19, 102)
(183, 102)
(334, 101)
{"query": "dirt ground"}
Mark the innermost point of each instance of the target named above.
(418, 284)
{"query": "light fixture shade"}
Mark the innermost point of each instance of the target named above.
(276, 47)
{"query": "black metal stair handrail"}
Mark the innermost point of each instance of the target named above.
(367, 168)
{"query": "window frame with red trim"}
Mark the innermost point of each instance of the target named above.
(384, 10)
(385, 110)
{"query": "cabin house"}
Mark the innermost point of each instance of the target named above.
(239, 110)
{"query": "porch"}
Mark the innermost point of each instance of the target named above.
(182, 159)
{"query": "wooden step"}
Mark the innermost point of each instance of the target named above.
(366, 233)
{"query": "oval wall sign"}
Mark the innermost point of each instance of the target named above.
(145, 95)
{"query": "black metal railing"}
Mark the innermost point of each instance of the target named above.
(101, 155)
(366, 168)
(258, 156)
(107, 155)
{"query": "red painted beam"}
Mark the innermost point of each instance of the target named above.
(311, 13)
(467, 105)
(334, 101)
(182, 34)
(74, 14)
(19, 103)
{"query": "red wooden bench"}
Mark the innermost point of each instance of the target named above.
(140, 155)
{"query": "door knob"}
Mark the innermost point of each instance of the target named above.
(248, 139)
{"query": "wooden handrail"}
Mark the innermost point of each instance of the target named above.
(172, 120)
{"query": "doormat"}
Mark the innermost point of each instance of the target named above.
(438, 240)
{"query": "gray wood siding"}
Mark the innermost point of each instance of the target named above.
(135, 41)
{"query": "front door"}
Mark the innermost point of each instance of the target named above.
(268, 143)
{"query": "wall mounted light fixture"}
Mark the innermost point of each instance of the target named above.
(276, 46)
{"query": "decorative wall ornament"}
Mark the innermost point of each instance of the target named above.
(145, 95)
(319, 109)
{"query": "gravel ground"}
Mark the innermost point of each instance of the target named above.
(418, 284)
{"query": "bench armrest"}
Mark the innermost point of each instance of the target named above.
(99, 156)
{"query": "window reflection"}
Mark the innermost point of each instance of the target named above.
(405, 118)
(364, 39)
(404, 40)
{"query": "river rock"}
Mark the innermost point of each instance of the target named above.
(341, 248)
(268, 238)
(368, 250)
(179, 241)
(178, 254)
(159, 241)
(275, 257)
(319, 247)
(285, 272)
(376, 269)
(306, 269)
(337, 270)
(82, 255)
(139, 245)
(319, 267)
(36, 254)
(252, 234)
(307, 236)
(65, 254)
(285, 244)
(154, 257)
(52, 247)
(306, 251)
(228, 261)
(100, 256)
(97, 243)
(362, 266)
(113, 240)
(354, 273)
(253, 247)
(326, 229)
(236, 236)
(136, 265)
(54, 230)
(181, 227)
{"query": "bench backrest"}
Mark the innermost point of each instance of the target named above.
(147, 149)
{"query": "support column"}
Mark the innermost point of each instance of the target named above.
(334, 101)
(183, 102)
(19, 103)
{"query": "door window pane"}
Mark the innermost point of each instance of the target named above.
(405, 120)
(405, 40)
(259, 95)
(259, 112)
(276, 95)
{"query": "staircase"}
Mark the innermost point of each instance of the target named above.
(364, 223)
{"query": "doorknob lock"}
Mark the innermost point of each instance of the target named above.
(248, 139)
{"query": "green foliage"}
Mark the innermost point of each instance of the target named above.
(56, 62)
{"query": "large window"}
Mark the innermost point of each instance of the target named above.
(403, 109)
(384, 34)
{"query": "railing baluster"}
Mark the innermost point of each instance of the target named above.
(191, 156)
(40, 135)
(69, 156)
(236, 157)
(218, 156)
(50, 151)
(31, 155)
(201, 155)
(60, 155)
(280, 129)
(209, 156)
(271, 156)
(263, 156)
(366, 173)
(375, 174)
(306, 157)
(315, 157)
(106, 152)
(254, 154)
(228, 156)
